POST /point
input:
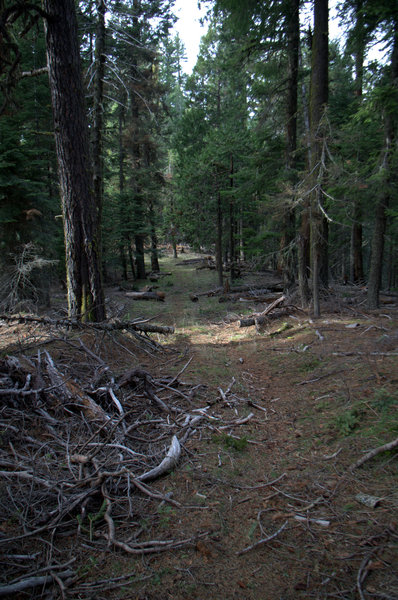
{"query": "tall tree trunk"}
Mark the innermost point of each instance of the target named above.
(219, 215)
(154, 240)
(303, 243)
(219, 239)
(356, 258)
(232, 222)
(123, 240)
(288, 233)
(303, 250)
(376, 261)
(99, 114)
(80, 217)
(139, 256)
(318, 102)
(131, 257)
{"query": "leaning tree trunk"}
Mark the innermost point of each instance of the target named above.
(318, 102)
(81, 223)
(376, 261)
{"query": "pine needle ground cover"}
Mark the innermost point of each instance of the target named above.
(265, 499)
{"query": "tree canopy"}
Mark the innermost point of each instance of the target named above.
(280, 148)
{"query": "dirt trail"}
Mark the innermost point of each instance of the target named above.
(265, 484)
(320, 394)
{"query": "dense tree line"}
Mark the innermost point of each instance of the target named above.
(280, 147)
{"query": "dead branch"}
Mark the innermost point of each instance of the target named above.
(259, 318)
(71, 392)
(375, 452)
(362, 574)
(248, 289)
(156, 546)
(103, 326)
(152, 494)
(31, 582)
(158, 296)
(263, 541)
(167, 464)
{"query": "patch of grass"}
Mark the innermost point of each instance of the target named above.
(309, 365)
(348, 421)
(85, 569)
(166, 513)
(158, 576)
(348, 507)
(238, 444)
(384, 400)
(252, 529)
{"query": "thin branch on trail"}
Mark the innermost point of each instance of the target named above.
(375, 452)
(263, 541)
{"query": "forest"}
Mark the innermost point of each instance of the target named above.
(278, 149)
(198, 301)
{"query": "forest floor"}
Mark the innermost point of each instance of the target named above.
(265, 488)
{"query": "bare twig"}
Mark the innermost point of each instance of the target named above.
(375, 452)
(263, 541)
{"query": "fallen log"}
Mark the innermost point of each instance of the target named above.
(260, 318)
(192, 261)
(275, 286)
(159, 296)
(207, 265)
(208, 293)
(145, 327)
(265, 295)
(156, 275)
(238, 289)
(252, 321)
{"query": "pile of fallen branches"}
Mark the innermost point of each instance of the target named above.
(80, 444)
(75, 455)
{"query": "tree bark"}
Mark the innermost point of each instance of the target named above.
(318, 102)
(288, 232)
(80, 217)
(154, 240)
(304, 256)
(219, 238)
(232, 223)
(139, 256)
(376, 261)
(99, 115)
(356, 258)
